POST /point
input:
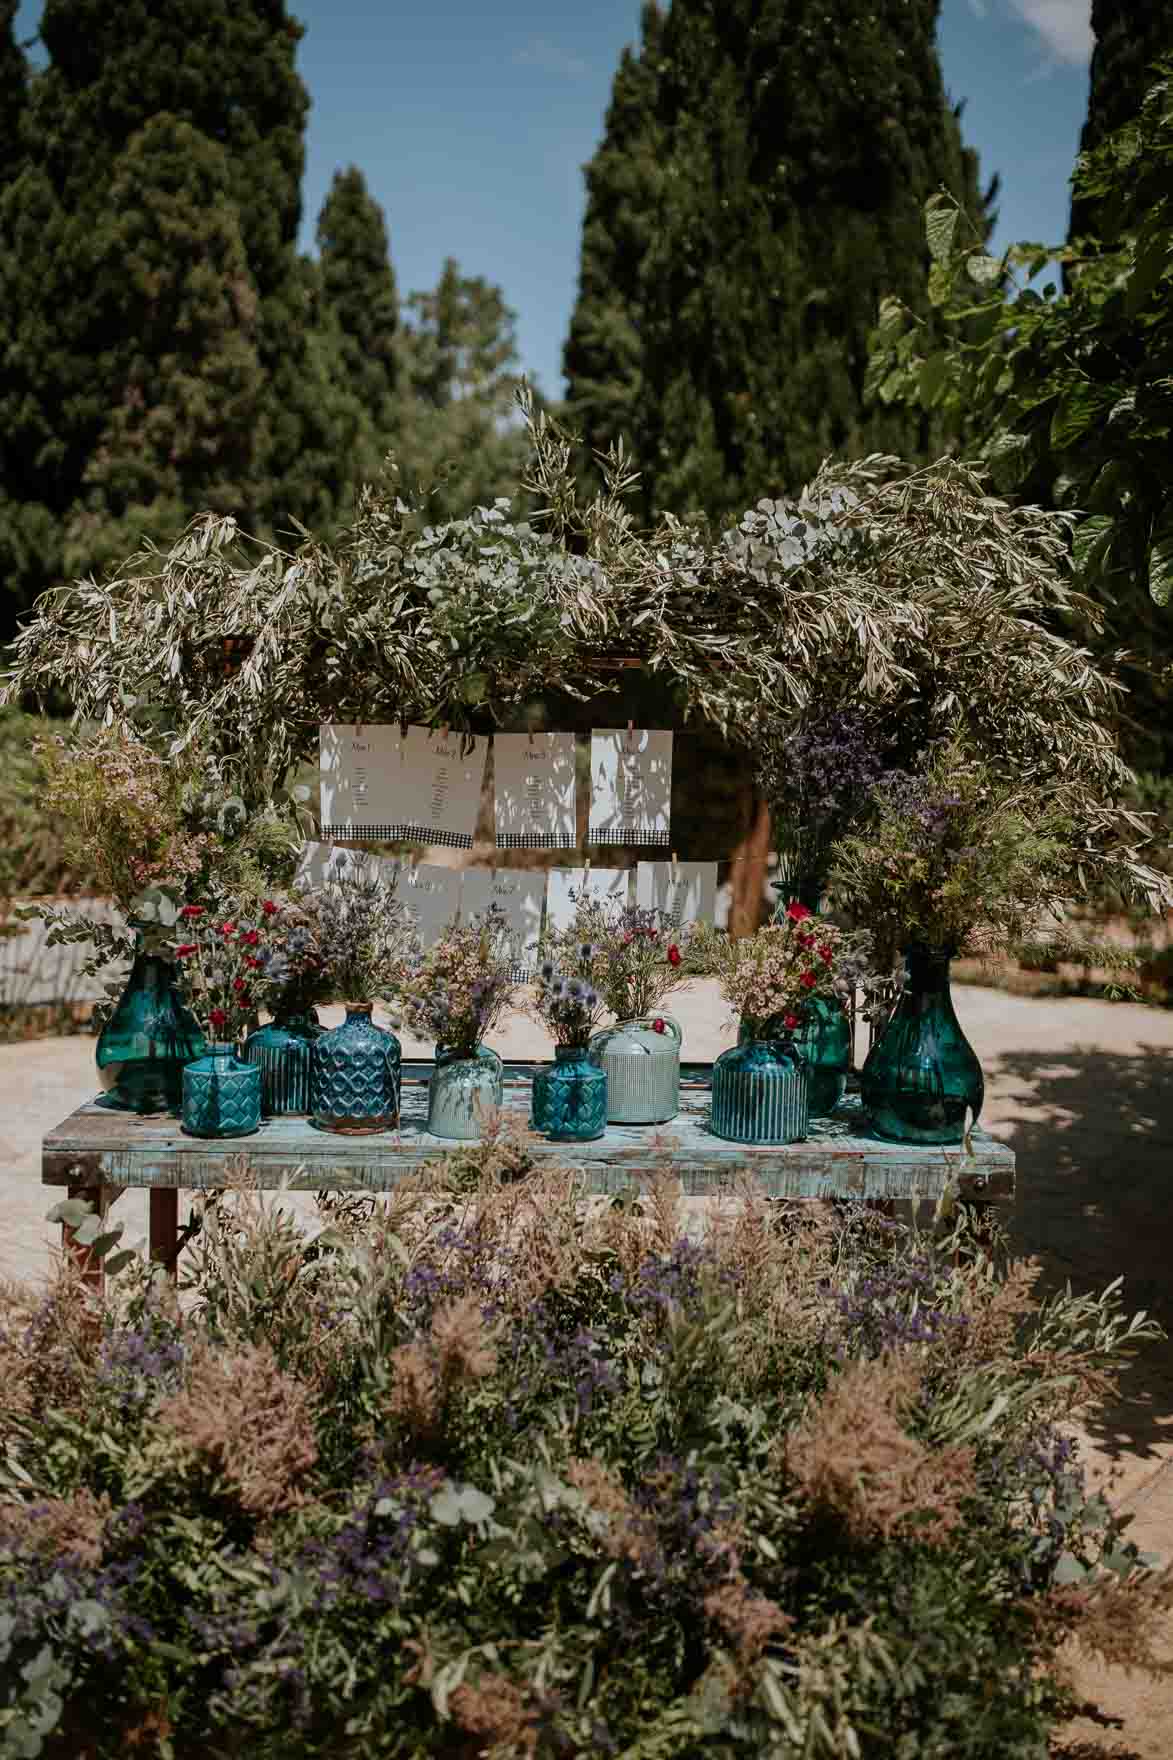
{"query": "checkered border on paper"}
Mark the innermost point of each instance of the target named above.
(522, 974)
(628, 834)
(400, 833)
(536, 840)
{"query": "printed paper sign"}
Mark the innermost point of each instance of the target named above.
(433, 894)
(533, 781)
(607, 884)
(684, 891)
(519, 895)
(419, 787)
(631, 786)
(319, 863)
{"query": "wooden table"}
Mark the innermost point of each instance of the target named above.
(97, 1154)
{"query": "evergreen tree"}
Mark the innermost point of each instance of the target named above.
(1129, 38)
(13, 92)
(782, 194)
(358, 282)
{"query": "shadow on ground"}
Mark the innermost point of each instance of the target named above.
(1093, 1133)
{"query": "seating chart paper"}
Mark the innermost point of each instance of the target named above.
(520, 896)
(631, 786)
(423, 786)
(609, 884)
(533, 781)
(433, 894)
(319, 863)
(684, 891)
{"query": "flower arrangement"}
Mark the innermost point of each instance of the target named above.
(222, 961)
(771, 979)
(352, 940)
(956, 857)
(566, 1000)
(639, 955)
(818, 778)
(460, 988)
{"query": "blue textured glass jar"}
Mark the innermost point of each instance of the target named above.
(569, 1102)
(824, 1038)
(355, 1074)
(281, 1049)
(221, 1095)
(466, 1090)
(760, 1093)
(922, 1075)
(150, 1037)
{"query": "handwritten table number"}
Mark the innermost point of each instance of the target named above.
(534, 785)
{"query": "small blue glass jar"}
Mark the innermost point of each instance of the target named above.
(355, 1072)
(760, 1093)
(922, 1076)
(281, 1049)
(465, 1091)
(221, 1095)
(569, 1102)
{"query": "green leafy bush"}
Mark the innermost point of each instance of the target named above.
(33, 857)
(486, 1472)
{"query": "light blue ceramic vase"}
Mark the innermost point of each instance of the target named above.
(465, 1091)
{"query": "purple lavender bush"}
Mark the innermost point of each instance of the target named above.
(485, 1473)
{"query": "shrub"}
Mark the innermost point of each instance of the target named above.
(491, 1471)
(33, 859)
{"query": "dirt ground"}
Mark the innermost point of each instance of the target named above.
(1081, 1090)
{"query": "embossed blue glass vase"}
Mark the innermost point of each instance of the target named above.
(760, 1093)
(281, 1049)
(824, 1038)
(221, 1095)
(569, 1103)
(466, 1089)
(150, 1037)
(355, 1076)
(922, 1075)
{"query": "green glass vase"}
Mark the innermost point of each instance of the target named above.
(760, 1093)
(282, 1049)
(922, 1075)
(355, 1073)
(569, 1100)
(221, 1095)
(149, 1039)
(824, 1038)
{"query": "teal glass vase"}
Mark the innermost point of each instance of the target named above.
(922, 1075)
(221, 1095)
(150, 1037)
(569, 1103)
(824, 1039)
(355, 1072)
(466, 1090)
(760, 1093)
(281, 1049)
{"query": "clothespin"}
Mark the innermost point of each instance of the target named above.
(586, 869)
(675, 865)
(630, 734)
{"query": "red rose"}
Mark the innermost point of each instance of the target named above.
(188, 947)
(798, 913)
(254, 965)
(192, 911)
(826, 954)
(674, 955)
(270, 909)
(217, 1018)
(808, 980)
(238, 984)
(790, 1020)
(228, 928)
(659, 1025)
(806, 940)
(249, 937)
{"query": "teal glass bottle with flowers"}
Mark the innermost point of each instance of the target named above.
(922, 1079)
(221, 1093)
(569, 1099)
(823, 1032)
(455, 994)
(150, 1037)
(355, 1073)
(290, 982)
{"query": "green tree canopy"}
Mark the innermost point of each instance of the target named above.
(13, 93)
(1129, 39)
(359, 284)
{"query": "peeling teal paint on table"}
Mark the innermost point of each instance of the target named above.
(98, 1153)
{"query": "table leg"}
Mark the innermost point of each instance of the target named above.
(165, 1228)
(101, 1197)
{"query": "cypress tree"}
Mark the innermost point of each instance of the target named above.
(794, 145)
(13, 92)
(1129, 37)
(359, 284)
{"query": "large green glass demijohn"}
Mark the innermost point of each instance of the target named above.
(922, 1076)
(149, 1039)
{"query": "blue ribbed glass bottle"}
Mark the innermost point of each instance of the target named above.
(569, 1102)
(221, 1095)
(282, 1050)
(355, 1076)
(824, 1038)
(465, 1091)
(760, 1093)
(922, 1075)
(152, 1034)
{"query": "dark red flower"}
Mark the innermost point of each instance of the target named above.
(790, 1020)
(659, 1025)
(192, 911)
(254, 965)
(238, 984)
(674, 955)
(826, 954)
(798, 913)
(250, 937)
(228, 928)
(188, 947)
(270, 909)
(806, 940)
(808, 980)
(217, 1018)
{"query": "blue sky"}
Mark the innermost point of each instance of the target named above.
(472, 122)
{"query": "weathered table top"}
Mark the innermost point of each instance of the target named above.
(839, 1159)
